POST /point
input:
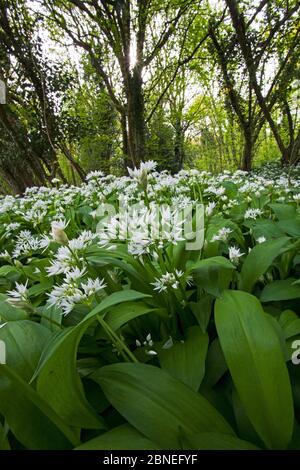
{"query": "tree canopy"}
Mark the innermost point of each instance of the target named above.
(104, 85)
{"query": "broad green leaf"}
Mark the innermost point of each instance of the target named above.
(244, 427)
(215, 366)
(253, 353)
(4, 444)
(258, 262)
(114, 299)
(186, 360)
(202, 310)
(24, 342)
(283, 211)
(265, 228)
(9, 312)
(292, 329)
(40, 288)
(280, 334)
(213, 274)
(123, 313)
(157, 404)
(286, 317)
(29, 417)
(61, 386)
(291, 226)
(126, 267)
(294, 372)
(280, 290)
(8, 270)
(215, 441)
(123, 437)
(51, 317)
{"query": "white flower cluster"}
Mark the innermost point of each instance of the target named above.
(52, 231)
(74, 291)
(169, 280)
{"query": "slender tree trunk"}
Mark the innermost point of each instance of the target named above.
(178, 146)
(247, 151)
(126, 157)
(241, 32)
(136, 118)
(72, 161)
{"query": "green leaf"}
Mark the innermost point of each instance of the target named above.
(280, 290)
(10, 313)
(4, 444)
(202, 310)
(245, 429)
(30, 419)
(258, 261)
(157, 404)
(114, 299)
(8, 270)
(133, 274)
(215, 364)
(283, 211)
(24, 341)
(123, 313)
(61, 386)
(253, 353)
(215, 441)
(51, 317)
(213, 274)
(286, 317)
(265, 228)
(186, 360)
(123, 437)
(40, 288)
(292, 329)
(291, 226)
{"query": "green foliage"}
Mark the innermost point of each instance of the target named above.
(256, 363)
(186, 349)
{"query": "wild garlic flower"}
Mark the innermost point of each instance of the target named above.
(92, 286)
(26, 243)
(140, 174)
(217, 191)
(18, 296)
(252, 213)
(261, 239)
(235, 254)
(147, 343)
(210, 208)
(94, 175)
(10, 228)
(222, 234)
(5, 255)
(73, 291)
(58, 231)
(167, 280)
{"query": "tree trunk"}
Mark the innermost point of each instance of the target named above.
(126, 157)
(291, 155)
(136, 118)
(247, 151)
(178, 146)
(73, 162)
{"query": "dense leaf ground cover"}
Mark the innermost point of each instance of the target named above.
(141, 343)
